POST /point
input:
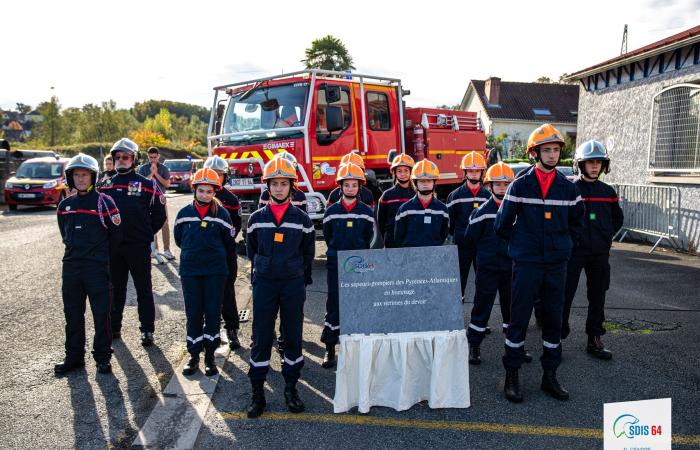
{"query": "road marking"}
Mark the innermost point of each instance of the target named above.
(484, 427)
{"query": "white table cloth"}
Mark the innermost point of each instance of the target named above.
(401, 369)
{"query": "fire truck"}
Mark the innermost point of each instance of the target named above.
(318, 116)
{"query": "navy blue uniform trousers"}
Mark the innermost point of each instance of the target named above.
(229, 309)
(134, 258)
(91, 281)
(270, 295)
(203, 297)
(331, 328)
(597, 267)
(530, 282)
(488, 284)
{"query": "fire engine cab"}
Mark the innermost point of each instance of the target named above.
(318, 116)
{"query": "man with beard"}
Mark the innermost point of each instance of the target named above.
(142, 207)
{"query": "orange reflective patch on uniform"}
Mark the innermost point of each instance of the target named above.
(279, 237)
(547, 215)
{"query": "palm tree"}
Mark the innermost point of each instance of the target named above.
(328, 53)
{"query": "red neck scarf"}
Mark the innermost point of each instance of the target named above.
(545, 180)
(348, 206)
(278, 210)
(425, 204)
(202, 210)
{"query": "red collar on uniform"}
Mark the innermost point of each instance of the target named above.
(425, 204)
(473, 191)
(278, 210)
(348, 206)
(202, 210)
(545, 180)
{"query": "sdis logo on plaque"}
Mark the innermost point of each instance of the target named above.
(642, 425)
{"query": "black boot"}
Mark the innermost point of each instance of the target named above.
(291, 397)
(280, 348)
(258, 403)
(596, 348)
(474, 355)
(210, 364)
(527, 357)
(104, 367)
(551, 385)
(512, 386)
(329, 359)
(192, 366)
(487, 330)
(233, 342)
(146, 338)
(116, 334)
(66, 366)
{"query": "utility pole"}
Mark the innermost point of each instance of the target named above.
(623, 47)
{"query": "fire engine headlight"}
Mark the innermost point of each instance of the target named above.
(9, 185)
(50, 184)
(186, 176)
(314, 205)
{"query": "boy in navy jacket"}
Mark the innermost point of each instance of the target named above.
(392, 199)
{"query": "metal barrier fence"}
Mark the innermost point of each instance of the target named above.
(650, 210)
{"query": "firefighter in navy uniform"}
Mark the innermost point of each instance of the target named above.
(280, 244)
(298, 198)
(142, 206)
(205, 235)
(89, 223)
(541, 218)
(392, 199)
(229, 309)
(461, 203)
(347, 225)
(494, 267)
(422, 221)
(365, 196)
(603, 218)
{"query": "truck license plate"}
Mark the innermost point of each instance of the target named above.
(26, 195)
(242, 182)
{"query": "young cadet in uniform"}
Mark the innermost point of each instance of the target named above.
(602, 220)
(89, 225)
(142, 206)
(347, 225)
(366, 196)
(205, 235)
(229, 309)
(394, 197)
(280, 244)
(461, 203)
(493, 265)
(299, 198)
(541, 217)
(422, 221)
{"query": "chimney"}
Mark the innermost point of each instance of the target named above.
(493, 90)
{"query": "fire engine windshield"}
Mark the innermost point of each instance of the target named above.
(267, 108)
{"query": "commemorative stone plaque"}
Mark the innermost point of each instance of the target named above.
(399, 290)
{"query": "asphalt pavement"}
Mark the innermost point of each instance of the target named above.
(653, 309)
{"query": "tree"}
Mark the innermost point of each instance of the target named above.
(544, 79)
(150, 108)
(328, 53)
(23, 109)
(50, 128)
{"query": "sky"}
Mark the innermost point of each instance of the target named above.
(130, 51)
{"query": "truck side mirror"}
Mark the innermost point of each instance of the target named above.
(334, 118)
(219, 116)
(332, 94)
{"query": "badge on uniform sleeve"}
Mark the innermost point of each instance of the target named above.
(162, 199)
(591, 216)
(547, 215)
(116, 219)
(476, 205)
(279, 237)
(427, 219)
(349, 224)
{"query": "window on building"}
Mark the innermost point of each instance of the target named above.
(541, 112)
(378, 111)
(675, 130)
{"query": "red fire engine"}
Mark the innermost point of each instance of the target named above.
(318, 116)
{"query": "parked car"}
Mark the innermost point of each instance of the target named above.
(567, 171)
(181, 170)
(519, 167)
(38, 181)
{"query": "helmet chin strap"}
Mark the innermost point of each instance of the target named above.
(499, 196)
(123, 171)
(545, 165)
(425, 192)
